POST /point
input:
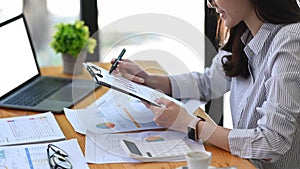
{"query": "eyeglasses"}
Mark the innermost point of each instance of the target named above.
(211, 4)
(58, 160)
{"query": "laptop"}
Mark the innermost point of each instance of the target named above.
(21, 84)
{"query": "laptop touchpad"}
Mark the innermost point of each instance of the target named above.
(69, 93)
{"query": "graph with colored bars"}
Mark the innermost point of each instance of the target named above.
(117, 112)
(127, 115)
(23, 158)
(36, 128)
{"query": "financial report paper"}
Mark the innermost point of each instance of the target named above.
(29, 129)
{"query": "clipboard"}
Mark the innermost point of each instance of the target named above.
(118, 83)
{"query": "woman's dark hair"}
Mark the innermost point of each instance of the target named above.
(276, 12)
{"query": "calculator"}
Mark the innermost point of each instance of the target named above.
(156, 151)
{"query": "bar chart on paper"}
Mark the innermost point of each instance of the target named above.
(34, 156)
(23, 157)
(29, 129)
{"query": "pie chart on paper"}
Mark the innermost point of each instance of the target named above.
(106, 125)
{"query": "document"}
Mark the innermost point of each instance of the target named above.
(113, 112)
(117, 112)
(34, 156)
(123, 85)
(29, 129)
(106, 148)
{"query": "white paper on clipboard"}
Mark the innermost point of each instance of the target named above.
(102, 77)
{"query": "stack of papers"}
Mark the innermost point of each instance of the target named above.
(117, 112)
(30, 129)
(113, 112)
(17, 135)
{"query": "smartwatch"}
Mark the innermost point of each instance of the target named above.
(192, 128)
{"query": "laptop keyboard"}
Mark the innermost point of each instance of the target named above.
(38, 92)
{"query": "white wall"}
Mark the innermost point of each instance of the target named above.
(162, 45)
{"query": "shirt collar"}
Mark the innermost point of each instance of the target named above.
(257, 42)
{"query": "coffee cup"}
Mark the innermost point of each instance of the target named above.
(198, 159)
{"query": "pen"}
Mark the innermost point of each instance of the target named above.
(115, 64)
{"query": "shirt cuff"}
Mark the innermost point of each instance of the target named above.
(240, 142)
(184, 86)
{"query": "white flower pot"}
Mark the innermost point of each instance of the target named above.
(73, 65)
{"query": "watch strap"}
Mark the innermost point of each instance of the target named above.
(192, 128)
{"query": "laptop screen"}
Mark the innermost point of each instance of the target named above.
(17, 60)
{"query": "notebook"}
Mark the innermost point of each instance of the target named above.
(21, 84)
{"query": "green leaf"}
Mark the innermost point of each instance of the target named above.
(71, 38)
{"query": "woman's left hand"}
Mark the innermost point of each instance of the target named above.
(170, 115)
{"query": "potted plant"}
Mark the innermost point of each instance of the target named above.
(73, 41)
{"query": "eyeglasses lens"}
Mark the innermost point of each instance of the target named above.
(58, 160)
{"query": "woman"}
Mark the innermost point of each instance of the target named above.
(260, 65)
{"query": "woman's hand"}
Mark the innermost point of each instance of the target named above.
(170, 115)
(131, 71)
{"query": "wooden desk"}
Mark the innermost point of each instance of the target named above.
(220, 157)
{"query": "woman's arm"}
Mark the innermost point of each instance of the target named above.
(159, 82)
(213, 134)
(175, 117)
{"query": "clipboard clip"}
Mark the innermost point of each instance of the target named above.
(98, 72)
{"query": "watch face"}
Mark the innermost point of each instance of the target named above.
(191, 133)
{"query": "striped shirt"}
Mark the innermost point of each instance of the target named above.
(265, 106)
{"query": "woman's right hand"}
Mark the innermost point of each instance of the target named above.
(131, 71)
